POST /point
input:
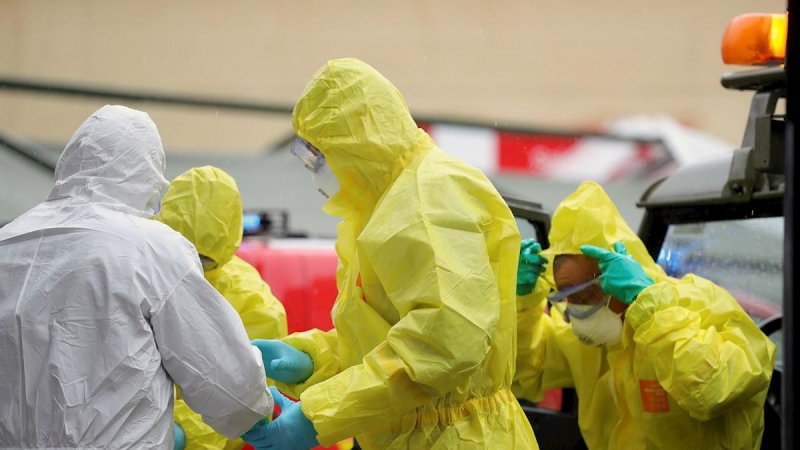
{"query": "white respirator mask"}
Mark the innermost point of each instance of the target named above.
(601, 328)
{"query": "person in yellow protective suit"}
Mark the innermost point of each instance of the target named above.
(657, 362)
(204, 205)
(422, 350)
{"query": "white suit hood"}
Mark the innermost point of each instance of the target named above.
(103, 163)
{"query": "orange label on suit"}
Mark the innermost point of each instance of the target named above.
(358, 283)
(654, 397)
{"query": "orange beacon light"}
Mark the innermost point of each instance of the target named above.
(755, 39)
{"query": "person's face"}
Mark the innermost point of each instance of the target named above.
(572, 270)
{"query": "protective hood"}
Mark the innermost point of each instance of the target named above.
(204, 205)
(588, 216)
(361, 123)
(115, 158)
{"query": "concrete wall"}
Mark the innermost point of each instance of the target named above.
(559, 63)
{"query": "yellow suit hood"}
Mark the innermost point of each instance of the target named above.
(203, 204)
(359, 121)
(589, 217)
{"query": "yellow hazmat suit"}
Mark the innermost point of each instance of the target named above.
(692, 370)
(422, 353)
(204, 205)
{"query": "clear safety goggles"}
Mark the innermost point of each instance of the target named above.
(581, 294)
(310, 155)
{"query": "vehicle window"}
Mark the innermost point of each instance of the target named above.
(527, 230)
(743, 256)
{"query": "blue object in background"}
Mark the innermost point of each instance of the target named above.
(251, 222)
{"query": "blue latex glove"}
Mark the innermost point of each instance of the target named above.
(531, 264)
(284, 363)
(621, 276)
(291, 430)
(180, 437)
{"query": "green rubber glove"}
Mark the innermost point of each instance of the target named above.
(531, 264)
(622, 276)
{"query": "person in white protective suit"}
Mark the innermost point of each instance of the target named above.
(102, 309)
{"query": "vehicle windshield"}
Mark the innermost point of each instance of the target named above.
(744, 256)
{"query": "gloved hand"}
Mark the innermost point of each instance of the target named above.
(291, 430)
(180, 437)
(622, 276)
(530, 265)
(284, 363)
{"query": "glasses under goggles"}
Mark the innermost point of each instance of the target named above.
(310, 155)
(582, 294)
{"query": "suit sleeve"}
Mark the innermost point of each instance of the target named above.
(205, 349)
(541, 363)
(707, 352)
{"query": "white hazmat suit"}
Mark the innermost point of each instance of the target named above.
(101, 309)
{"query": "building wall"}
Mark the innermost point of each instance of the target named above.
(546, 63)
